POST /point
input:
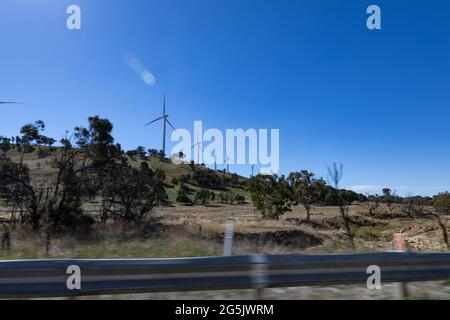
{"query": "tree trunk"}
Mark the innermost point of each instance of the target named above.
(308, 213)
(347, 226)
(444, 231)
(6, 238)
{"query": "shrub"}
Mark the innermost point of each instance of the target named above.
(239, 198)
(227, 197)
(69, 215)
(175, 181)
(202, 195)
(182, 197)
(441, 203)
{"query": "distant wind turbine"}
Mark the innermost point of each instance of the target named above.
(227, 161)
(165, 118)
(199, 145)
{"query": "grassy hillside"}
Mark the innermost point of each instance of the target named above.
(41, 169)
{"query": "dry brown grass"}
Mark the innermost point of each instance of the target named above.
(372, 233)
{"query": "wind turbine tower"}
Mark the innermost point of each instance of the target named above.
(199, 148)
(165, 118)
(227, 160)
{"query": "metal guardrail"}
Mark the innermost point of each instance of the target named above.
(47, 278)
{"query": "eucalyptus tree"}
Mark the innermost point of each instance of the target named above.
(306, 190)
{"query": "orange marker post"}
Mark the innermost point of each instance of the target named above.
(400, 246)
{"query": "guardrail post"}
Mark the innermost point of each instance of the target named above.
(228, 242)
(402, 287)
(259, 276)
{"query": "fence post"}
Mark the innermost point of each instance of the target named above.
(228, 242)
(399, 244)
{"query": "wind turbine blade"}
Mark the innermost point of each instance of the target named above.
(11, 102)
(154, 121)
(164, 105)
(170, 124)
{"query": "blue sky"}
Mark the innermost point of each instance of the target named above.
(377, 101)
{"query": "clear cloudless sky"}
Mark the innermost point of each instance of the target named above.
(377, 101)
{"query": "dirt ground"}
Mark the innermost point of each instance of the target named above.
(199, 230)
(325, 232)
(291, 233)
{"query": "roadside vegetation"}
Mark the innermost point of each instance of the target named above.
(86, 182)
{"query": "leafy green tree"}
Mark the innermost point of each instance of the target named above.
(270, 195)
(141, 153)
(388, 198)
(5, 145)
(175, 181)
(97, 143)
(306, 190)
(153, 153)
(227, 197)
(16, 186)
(183, 198)
(47, 141)
(387, 192)
(202, 195)
(234, 179)
(441, 203)
(212, 196)
(129, 193)
(30, 134)
(73, 184)
(205, 178)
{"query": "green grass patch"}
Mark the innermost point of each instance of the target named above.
(241, 192)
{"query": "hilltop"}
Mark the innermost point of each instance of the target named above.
(40, 164)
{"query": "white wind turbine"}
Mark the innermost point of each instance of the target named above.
(227, 161)
(199, 148)
(165, 118)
